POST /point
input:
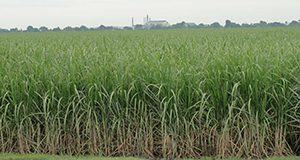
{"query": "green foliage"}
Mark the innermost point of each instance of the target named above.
(48, 157)
(55, 157)
(176, 93)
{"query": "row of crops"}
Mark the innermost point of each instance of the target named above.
(175, 93)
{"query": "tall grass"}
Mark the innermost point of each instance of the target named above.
(180, 93)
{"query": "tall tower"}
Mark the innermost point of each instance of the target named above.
(147, 19)
(132, 23)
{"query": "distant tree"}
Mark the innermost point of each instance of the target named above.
(191, 25)
(57, 29)
(255, 25)
(215, 25)
(276, 24)
(127, 28)
(32, 29)
(229, 24)
(111, 28)
(294, 23)
(4, 30)
(14, 30)
(183, 24)
(76, 29)
(180, 25)
(101, 27)
(92, 29)
(29, 29)
(260, 24)
(43, 29)
(83, 28)
(286, 23)
(68, 29)
(138, 27)
(201, 25)
(263, 23)
(157, 27)
(246, 25)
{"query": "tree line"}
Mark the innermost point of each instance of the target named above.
(228, 24)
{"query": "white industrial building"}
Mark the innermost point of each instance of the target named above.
(148, 23)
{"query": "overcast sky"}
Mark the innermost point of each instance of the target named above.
(53, 13)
